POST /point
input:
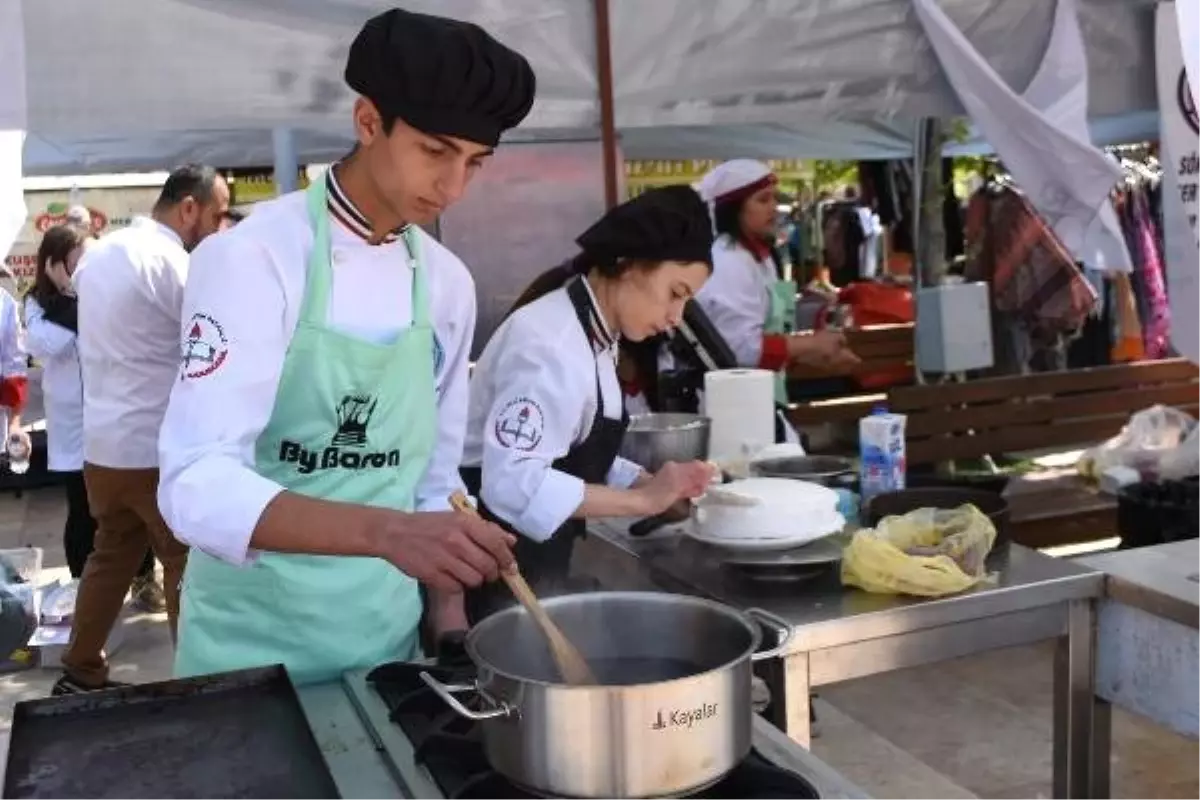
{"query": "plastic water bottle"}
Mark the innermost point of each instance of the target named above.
(18, 454)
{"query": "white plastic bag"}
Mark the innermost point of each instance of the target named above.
(1158, 442)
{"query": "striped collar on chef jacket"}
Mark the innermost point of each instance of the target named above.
(599, 334)
(348, 214)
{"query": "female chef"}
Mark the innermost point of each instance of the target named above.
(313, 439)
(546, 417)
(746, 299)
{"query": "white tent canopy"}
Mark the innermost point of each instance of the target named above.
(129, 84)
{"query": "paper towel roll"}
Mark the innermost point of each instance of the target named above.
(741, 405)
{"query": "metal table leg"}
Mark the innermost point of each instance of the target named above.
(787, 678)
(1101, 749)
(1074, 699)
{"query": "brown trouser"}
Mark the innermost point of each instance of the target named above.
(125, 505)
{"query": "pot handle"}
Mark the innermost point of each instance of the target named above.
(782, 630)
(446, 693)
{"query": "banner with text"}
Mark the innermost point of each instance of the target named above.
(1180, 145)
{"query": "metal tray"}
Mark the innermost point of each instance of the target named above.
(237, 734)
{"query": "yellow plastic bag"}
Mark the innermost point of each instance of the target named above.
(927, 552)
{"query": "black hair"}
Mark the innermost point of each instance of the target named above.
(727, 218)
(56, 245)
(196, 181)
(557, 277)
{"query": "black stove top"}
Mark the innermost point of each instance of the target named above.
(451, 750)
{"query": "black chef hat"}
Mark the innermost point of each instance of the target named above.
(670, 223)
(441, 76)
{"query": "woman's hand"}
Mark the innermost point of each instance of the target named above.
(58, 274)
(823, 350)
(675, 482)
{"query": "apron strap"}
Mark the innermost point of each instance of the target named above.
(420, 290)
(313, 307)
(582, 301)
(316, 285)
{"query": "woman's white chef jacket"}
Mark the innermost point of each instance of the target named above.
(62, 387)
(737, 297)
(540, 361)
(243, 296)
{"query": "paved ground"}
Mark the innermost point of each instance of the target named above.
(978, 726)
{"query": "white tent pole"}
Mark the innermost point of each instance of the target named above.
(287, 166)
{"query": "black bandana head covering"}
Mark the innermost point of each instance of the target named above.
(670, 223)
(441, 76)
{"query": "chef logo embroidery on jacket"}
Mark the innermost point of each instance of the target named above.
(348, 445)
(204, 348)
(519, 426)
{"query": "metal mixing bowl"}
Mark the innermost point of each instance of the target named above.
(654, 439)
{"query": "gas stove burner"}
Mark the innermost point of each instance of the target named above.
(451, 751)
(799, 565)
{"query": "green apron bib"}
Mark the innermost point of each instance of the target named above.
(781, 318)
(353, 421)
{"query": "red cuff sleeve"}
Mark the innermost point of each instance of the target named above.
(630, 388)
(774, 352)
(12, 392)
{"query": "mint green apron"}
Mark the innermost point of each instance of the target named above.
(781, 318)
(355, 422)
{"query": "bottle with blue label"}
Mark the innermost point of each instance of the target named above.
(882, 462)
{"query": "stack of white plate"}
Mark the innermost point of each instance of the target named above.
(763, 514)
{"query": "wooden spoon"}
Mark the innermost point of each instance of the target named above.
(571, 663)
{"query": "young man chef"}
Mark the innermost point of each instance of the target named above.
(323, 390)
(546, 418)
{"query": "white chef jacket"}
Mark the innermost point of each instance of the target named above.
(62, 387)
(130, 286)
(14, 360)
(541, 364)
(250, 280)
(737, 297)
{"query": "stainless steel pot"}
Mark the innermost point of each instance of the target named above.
(654, 439)
(673, 716)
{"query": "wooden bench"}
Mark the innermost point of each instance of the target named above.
(883, 349)
(1071, 409)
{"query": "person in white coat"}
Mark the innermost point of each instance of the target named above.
(13, 374)
(751, 305)
(314, 433)
(546, 420)
(52, 327)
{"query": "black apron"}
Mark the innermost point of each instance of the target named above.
(546, 565)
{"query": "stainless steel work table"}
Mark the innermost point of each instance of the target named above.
(842, 634)
(1147, 647)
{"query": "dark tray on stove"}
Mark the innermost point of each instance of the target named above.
(236, 735)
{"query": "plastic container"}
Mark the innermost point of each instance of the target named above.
(882, 458)
(19, 451)
(1157, 513)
